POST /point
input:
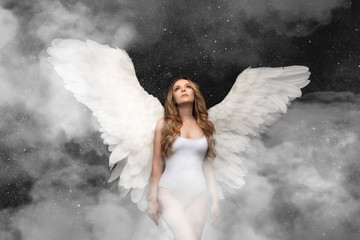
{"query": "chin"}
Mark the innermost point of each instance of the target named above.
(186, 101)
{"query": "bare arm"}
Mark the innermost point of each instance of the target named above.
(156, 172)
(210, 177)
(209, 173)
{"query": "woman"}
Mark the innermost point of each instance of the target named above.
(182, 180)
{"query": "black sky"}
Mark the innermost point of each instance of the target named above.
(331, 50)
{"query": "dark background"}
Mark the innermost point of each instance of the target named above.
(304, 173)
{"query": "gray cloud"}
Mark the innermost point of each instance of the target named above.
(301, 185)
(302, 167)
(303, 181)
(9, 26)
(293, 18)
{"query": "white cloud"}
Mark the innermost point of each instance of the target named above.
(8, 25)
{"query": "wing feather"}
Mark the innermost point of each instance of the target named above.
(257, 99)
(104, 79)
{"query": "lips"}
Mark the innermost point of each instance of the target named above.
(184, 95)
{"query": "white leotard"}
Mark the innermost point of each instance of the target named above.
(183, 174)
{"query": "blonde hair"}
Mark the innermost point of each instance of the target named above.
(173, 121)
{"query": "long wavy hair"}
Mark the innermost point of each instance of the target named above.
(173, 121)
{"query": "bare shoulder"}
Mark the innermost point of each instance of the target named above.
(159, 124)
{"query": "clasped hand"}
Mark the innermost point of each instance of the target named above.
(214, 212)
(153, 211)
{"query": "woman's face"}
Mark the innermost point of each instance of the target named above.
(183, 92)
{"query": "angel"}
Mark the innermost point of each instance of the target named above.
(176, 160)
(182, 179)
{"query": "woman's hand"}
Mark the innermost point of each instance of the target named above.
(153, 210)
(214, 211)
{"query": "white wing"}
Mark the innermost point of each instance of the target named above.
(104, 79)
(257, 99)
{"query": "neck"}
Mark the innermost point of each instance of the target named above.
(185, 111)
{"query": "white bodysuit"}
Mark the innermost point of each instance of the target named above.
(183, 174)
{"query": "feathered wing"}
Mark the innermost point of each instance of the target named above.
(104, 79)
(257, 99)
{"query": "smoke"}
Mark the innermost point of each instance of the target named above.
(302, 183)
(304, 173)
(291, 18)
(52, 19)
(9, 25)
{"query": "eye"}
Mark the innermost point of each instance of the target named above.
(176, 88)
(188, 86)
